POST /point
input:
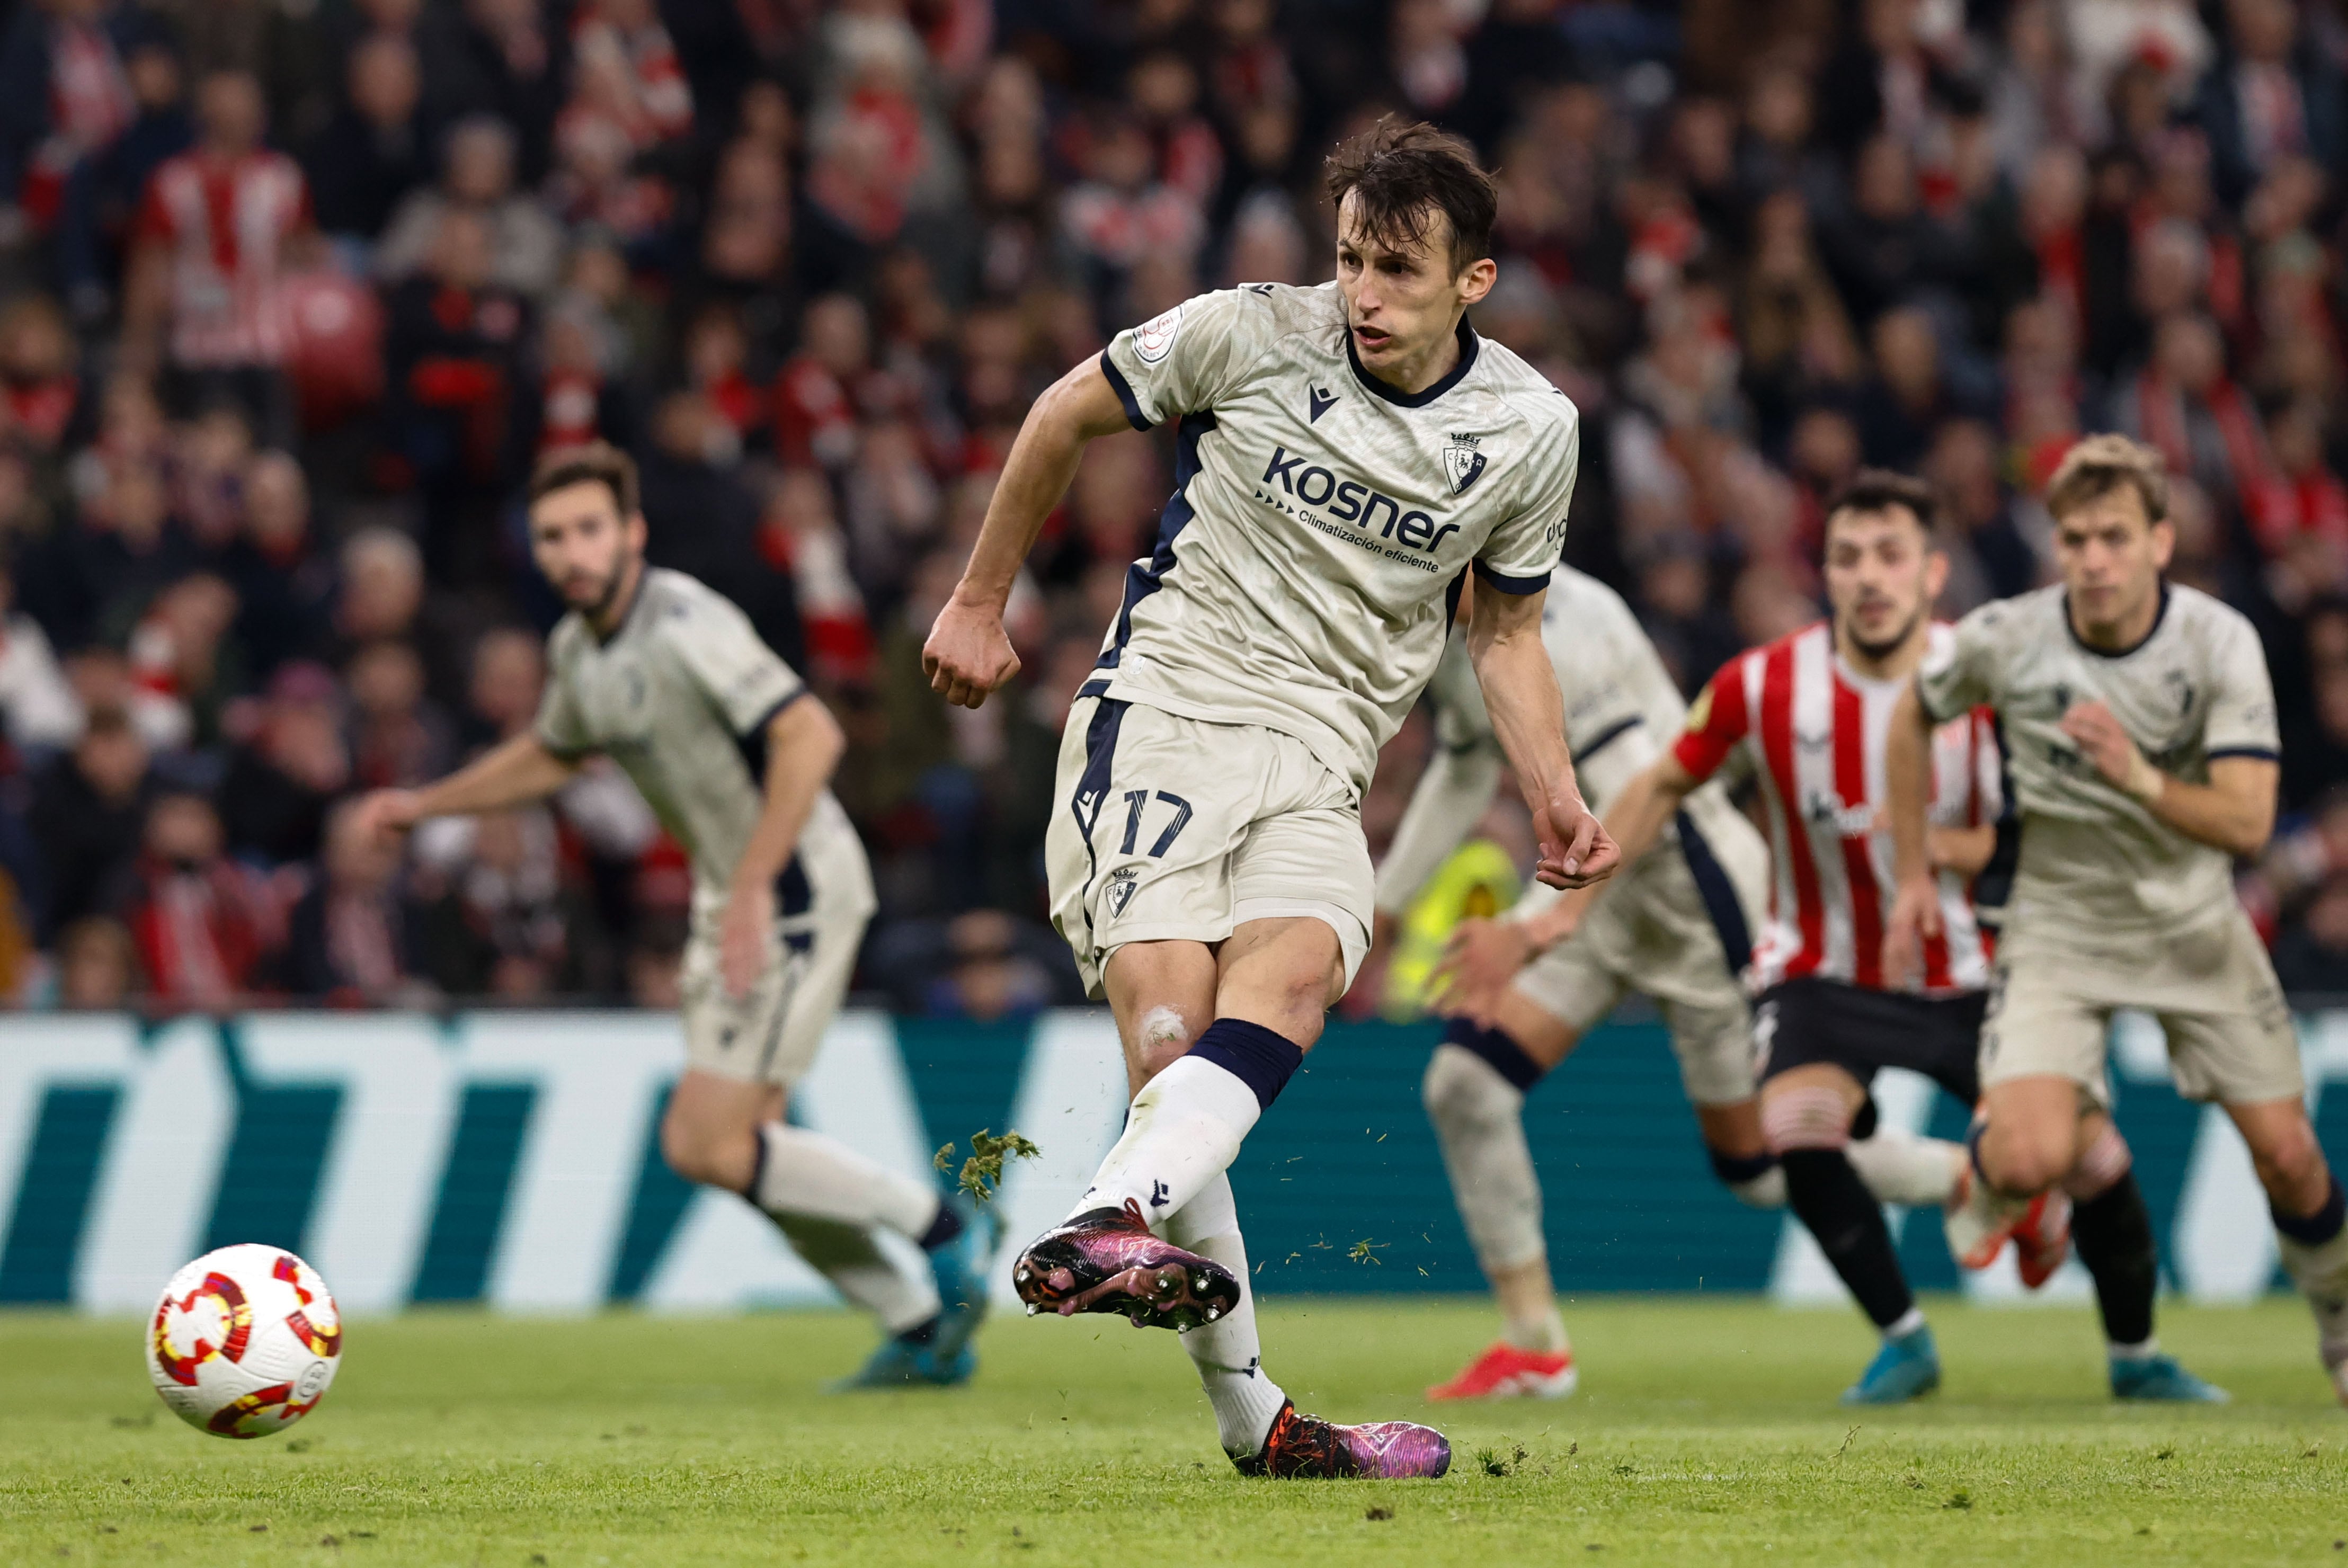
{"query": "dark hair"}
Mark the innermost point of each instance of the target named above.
(598, 462)
(1402, 175)
(2099, 465)
(1879, 490)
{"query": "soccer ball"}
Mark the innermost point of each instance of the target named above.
(245, 1341)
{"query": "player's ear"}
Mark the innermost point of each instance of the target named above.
(1475, 280)
(1936, 574)
(638, 532)
(2164, 544)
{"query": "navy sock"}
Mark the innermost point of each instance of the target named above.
(1263, 1059)
(944, 1230)
(921, 1332)
(1505, 1056)
(2322, 1225)
(1735, 1170)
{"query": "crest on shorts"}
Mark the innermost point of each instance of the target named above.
(1121, 883)
(1463, 465)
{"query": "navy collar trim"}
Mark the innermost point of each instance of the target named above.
(2085, 646)
(1420, 399)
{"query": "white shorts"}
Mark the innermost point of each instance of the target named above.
(2213, 990)
(1171, 829)
(1667, 933)
(823, 901)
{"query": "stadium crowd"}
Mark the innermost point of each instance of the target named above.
(294, 292)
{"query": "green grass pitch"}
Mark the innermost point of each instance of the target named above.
(1705, 1431)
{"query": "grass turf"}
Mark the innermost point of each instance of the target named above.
(1705, 1429)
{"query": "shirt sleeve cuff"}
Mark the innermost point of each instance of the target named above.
(1124, 390)
(2260, 753)
(1508, 584)
(767, 718)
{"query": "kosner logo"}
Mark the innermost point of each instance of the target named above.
(1351, 501)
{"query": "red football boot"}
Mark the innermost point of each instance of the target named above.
(1505, 1372)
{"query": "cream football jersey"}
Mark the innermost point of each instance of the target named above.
(680, 696)
(2096, 866)
(1306, 566)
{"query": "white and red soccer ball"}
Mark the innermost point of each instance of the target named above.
(245, 1341)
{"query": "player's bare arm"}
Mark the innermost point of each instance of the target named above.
(968, 655)
(1528, 718)
(512, 773)
(2235, 811)
(803, 745)
(1907, 778)
(1484, 955)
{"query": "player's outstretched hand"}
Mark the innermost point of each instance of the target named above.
(969, 655)
(1482, 956)
(1575, 848)
(386, 813)
(1915, 919)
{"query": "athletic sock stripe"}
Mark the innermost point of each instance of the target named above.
(1503, 1055)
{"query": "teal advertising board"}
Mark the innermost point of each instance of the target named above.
(508, 1158)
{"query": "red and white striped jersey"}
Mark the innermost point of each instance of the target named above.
(225, 224)
(1813, 731)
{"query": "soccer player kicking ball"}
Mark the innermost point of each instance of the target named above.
(2140, 729)
(724, 741)
(1347, 454)
(1524, 988)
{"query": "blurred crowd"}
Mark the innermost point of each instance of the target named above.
(294, 292)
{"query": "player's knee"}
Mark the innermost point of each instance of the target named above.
(1463, 1093)
(1160, 1038)
(693, 1154)
(2019, 1164)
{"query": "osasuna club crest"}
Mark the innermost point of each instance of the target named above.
(1462, 463)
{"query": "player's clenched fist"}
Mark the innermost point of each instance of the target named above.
(386, 813)
(969, 655)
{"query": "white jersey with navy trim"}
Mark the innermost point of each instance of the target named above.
(2097, 869)
(680, 696)
(1308, 560)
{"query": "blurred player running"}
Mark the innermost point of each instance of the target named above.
(724, 741)
(2141, 734)
(1347, 453)
(1675, 927)
(1806, 715)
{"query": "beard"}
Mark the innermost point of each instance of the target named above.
(1890, 645)
(599, 602)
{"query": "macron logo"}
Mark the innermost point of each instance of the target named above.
(1320, 402)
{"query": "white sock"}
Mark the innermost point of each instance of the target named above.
(1227, 1352)
(2145, 1351)
(806, 1174)
(1544, 1332)
(1908, 1323)
(1766, 1190)
(846, 1255)
(1900, 1167)
(1479, 1124)
(1184, 1131)
(2321, 1272)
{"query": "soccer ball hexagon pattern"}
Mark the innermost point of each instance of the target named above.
(245, 1341)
